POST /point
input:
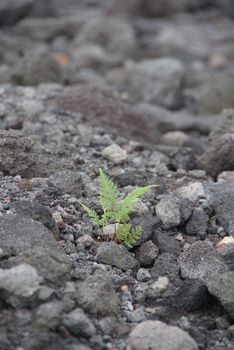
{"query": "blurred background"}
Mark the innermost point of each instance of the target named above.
(176, 54)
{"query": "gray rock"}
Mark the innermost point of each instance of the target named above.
(157, 335)
(37, 67)
(19, 285)
(190, 295)
(227, 254)
(18, 233)
(66, 181)
(222, 287)
(51, 263)
(166, 265)
(168, 211)
(115, 154)
(45, 29)
(49, 315)
(16, 153)
(167, 243)
(201, 261)
(157, 81)
(224, 126)
(220, 199)
(143, 275)
(213, 93)
(168, 121)
(79, 324)
(183, 158)
(11, 12)
(175, 138)
(118, 35)
(136, 316)
(23, 157)
(117, 255)
(37, 212)
(96, 295)
(148, 223)
(198, 223)
(186, 209)
(157, 289)
(146, 253)
(218, 157)
(192, 192)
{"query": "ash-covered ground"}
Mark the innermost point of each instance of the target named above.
(143, 89)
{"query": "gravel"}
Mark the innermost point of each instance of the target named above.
(120, 86)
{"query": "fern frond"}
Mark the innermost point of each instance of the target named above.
(124, 208)
(92, 214)
(109, 194)
(127, 235)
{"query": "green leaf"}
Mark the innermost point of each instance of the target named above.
(125, 206)
(127, 235)
(92, 214)
(109, 194)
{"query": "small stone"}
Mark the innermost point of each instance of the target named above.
(222, 287)
(222, 322)
(139, 208)
(198, 223)
(226, 240)
(136, 316)
(165, 265)
(97, 296)
(167, 243)
(189, 295)
(175, 138)
(146, 253)
(157, 80)
(45, 293)
(220, 199)
(168, 211)
(179, 237)
(108, 232)
(117, 255)
(218, 157)
(143, 275)
(197, 173)
(226, 176)
(125, 288)
(115, 154)
(160, 285)
(231, 329)
(19, 284)
(49, 315)
(79, 324)
(157, 335)
(192, 191)
(86, 241)
(66, 181)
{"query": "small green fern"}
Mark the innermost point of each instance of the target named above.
(117, 210)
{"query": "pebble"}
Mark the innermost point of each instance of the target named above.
(115, 154)
(143, 275)
(20, 283)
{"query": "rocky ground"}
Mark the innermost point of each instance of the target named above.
(143, 90)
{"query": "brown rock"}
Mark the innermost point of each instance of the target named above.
(101, 107)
